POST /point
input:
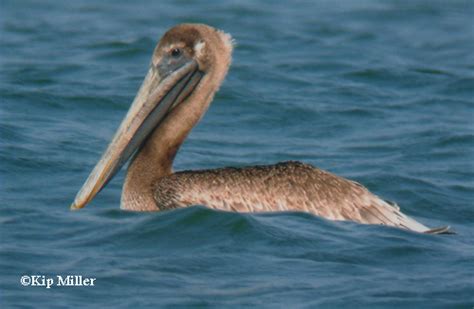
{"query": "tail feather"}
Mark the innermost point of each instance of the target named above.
(440, 230)
(388, 213)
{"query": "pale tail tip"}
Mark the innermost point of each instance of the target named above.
(441, 230)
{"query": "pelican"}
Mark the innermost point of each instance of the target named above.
(187, 68)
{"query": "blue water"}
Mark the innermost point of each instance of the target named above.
(379, 92)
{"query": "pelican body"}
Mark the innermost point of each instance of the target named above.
(187, 68)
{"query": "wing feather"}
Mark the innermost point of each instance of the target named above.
(288, 186)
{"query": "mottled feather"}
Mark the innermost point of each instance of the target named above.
(287, 186)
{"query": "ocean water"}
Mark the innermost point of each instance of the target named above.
(381, 92)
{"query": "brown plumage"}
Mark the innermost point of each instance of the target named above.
(198, 57)
(286, 186)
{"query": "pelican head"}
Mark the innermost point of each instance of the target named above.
(186, 69)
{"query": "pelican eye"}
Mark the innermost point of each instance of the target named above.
(176, 52)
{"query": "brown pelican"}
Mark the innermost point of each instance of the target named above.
(187, 67)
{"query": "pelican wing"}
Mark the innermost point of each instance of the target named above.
(288, 186)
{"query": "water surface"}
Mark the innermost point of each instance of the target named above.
(382, 93)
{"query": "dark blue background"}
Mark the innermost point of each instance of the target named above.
(380, 92)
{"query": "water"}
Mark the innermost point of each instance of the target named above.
(378, 92)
